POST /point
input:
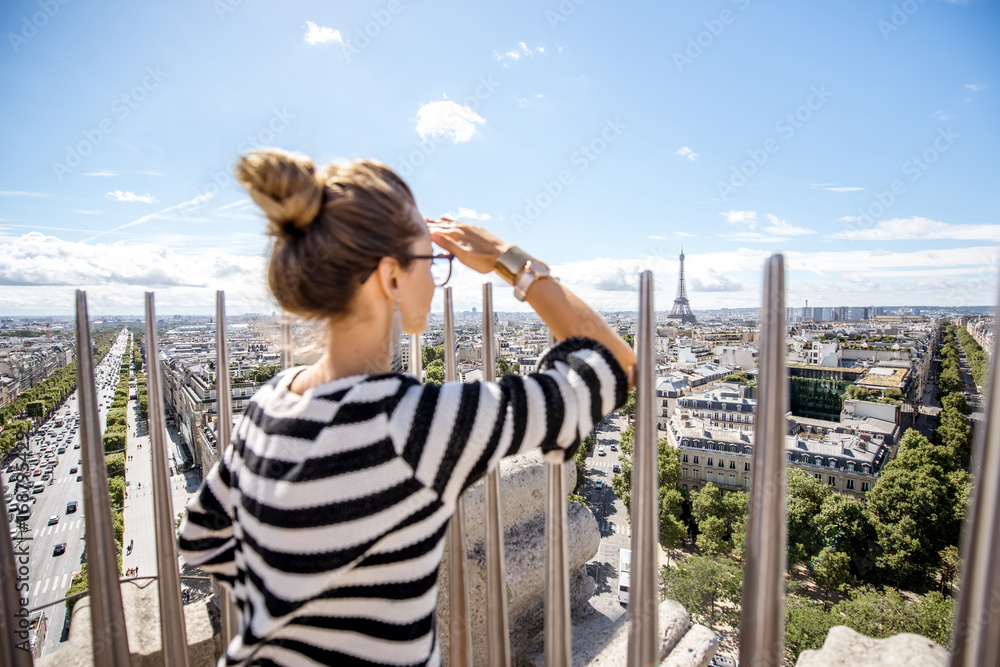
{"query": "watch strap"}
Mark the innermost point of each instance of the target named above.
(510, 263)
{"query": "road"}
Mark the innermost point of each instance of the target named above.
(611, 520)
(50, 575)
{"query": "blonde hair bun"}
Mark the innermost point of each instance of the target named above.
(285, 186)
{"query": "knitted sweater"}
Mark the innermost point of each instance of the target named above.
(326, 514)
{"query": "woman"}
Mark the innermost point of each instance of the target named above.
(327, 512)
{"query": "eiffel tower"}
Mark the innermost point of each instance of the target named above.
(681, 312)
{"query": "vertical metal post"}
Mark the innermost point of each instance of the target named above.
(416, 357)
(287, 356)
(224, 422)
(644, 596)
(497, 629)
(110, 643)
(10, 655)
(172, 630)
(459, 632)
(977, 623)
(558, 635)
(762, 626)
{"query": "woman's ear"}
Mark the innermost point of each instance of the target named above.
(388, 272)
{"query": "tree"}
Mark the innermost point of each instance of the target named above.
(434, 372)
(116, 489)
(957, 402)
(672, 531)
(806, 626)
(831, 570)
(707, 503)
(115, 464)
(805, 498)
(949, 566)
(712, 535)
(630, 339)
(429, 354)
(843, 523)
(740, 377)
(709, 587)
(35, 409)
(502, 366)
(628, 409)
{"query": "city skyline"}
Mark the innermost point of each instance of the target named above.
(598, 139)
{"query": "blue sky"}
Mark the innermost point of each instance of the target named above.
(860, 138)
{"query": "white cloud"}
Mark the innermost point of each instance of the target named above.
(102, 172)
(976, 87)
(781, 227)
(713, 281)
(657, 237)
(447, 119)
(163, 214)
(467, 214)
(522, 51)
(320, 35)
(940, 115)
(131, 197)
(685, 235)
(750, 237)
(916, 228)
(684, 151)
(748, 218)
(522, 102)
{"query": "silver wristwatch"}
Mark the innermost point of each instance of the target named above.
(533, 270)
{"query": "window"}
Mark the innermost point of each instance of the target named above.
(710, 461)
(732, 480)
(708, 476)
(722, 464)
(684, 472)
(732, 465)
(818, 476)
(696, 459)
(850, 484)
(694, 488)
(833, 463)
(746, 482)
(831, 480)
(684, 458)
(864, 486)
(850, 466)
(746, 467)
(684, 486)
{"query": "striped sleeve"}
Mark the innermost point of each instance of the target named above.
(206, 534)
(452, 434)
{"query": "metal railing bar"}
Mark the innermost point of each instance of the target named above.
(976, 636)
(173, 634)
(9, 616)
(121, 580)
(224, 409)
(644, 596)
(416, 357)
(762, 626)
(287, 356)
(497, 626)
(459, 632)
(558, 637)
(109, 639)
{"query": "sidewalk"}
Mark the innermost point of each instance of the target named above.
(139, 528)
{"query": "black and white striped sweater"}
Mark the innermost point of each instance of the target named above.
(326, 514)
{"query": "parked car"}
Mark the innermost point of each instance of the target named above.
(599, 484)
(601, 452)
(70, 507)
(59, 549)
(616, 468)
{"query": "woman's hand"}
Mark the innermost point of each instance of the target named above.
(473, 246)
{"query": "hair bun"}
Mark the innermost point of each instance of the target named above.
(284, 185)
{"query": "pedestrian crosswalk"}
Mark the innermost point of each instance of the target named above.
(64, 526)
(611, 527)
(59, 583)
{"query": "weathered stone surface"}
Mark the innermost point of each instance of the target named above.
(522, 484)
(844, 646)
(601, 642)
(142, 621)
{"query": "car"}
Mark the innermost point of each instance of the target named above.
(599, 484)
(601, 452)
(70, 507)
(73, 470)
(614, 448)
(76, 445)
(38, 488)
(54, 519)
(79, 478)
(62, 450)
(38, 471)
(616, 468)
(59, 549)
